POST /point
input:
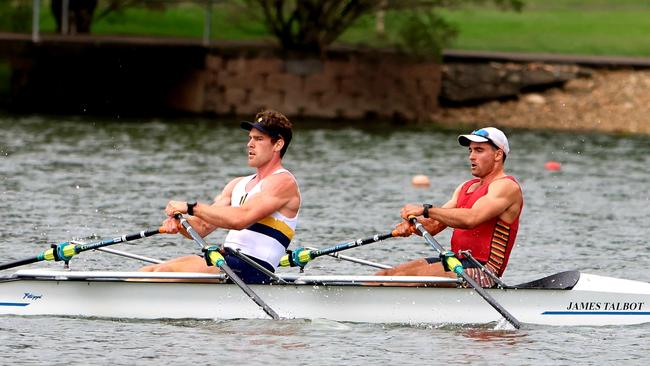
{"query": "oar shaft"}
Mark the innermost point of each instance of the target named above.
(20, 262)
(484, 294)
(224, 267)
(129, 255)
(360, 261)
(302, 256)
(73, 249)
(349, 245)
(479, 290)
(121, 239)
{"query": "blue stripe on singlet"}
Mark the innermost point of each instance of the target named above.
(271, 232)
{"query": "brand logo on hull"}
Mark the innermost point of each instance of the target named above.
(31, 296)
(602, 308)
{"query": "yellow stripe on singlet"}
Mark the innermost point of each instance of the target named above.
(278, 225)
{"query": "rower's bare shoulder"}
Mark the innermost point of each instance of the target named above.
(226, 193)
(231, 185)
(506, 187)
(282, 182)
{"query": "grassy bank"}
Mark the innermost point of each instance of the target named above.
(591, 27)
(182, 19)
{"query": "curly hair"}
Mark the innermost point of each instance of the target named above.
(279, 124)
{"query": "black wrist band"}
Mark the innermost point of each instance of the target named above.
(425, 212)
(190, 208)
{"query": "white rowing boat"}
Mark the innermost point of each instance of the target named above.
(567, 298)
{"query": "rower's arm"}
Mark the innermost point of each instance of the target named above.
(277, 191)
(501, 195)
(434, 226)
(202, 227)
(406, 228)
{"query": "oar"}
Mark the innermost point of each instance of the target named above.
(359, 261)
(301, 256)
(65, 251)
(454, 265)
(130, 255)
(215, 258)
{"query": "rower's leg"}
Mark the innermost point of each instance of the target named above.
(190, 263)
(418, 267)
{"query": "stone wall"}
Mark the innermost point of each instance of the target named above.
(344, 85)
(153, 76)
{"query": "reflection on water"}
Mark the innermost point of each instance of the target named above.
(65, 178)
(509, 337)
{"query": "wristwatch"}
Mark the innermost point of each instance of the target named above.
(190, 208)
(425, 211)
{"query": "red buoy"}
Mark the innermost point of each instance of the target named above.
(553, 166)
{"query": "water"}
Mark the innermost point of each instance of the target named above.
(64, 178)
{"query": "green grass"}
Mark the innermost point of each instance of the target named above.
(591, 27)
(185, 19)
(576, 27)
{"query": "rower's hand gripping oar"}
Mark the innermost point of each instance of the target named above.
(214, 258)
(452, 263)
(299, 257)
(65, 251)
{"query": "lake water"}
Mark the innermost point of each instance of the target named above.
(66, 177)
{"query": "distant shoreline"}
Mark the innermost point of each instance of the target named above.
(612, 101)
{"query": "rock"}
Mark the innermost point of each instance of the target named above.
(534, 99)
(612, 101)
(579, 85)
(471, 82)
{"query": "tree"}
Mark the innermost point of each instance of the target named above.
(15, 16)
(80, 15)
(312, 25)
(309, 26)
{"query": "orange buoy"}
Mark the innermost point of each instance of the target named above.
(553, 166)
(420, 180)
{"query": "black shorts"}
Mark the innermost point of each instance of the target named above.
(464, 261)
(246, 272)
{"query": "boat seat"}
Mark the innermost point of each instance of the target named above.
(559, 281)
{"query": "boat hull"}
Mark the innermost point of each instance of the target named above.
(594, 300)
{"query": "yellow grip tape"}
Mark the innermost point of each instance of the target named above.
(49, 255)
(216, 258)
(284, 261)
(453, 263)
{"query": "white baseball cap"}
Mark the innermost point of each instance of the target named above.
(487, 134)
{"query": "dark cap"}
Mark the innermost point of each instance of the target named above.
(272, 131)
(259, 126)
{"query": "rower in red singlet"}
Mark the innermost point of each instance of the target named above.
(484, 213)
